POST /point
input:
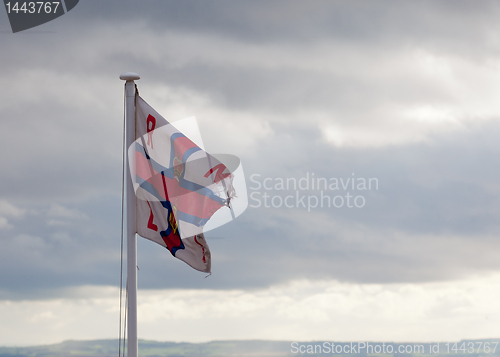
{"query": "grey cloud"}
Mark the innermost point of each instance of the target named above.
(295, 21)
(413, 228)
(61, 132)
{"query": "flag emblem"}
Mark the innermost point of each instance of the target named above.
(178, 187)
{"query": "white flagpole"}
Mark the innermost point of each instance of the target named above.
(132, 341)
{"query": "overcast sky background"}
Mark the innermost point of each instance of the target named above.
(404, 92)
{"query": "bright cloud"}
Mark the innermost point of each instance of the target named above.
(301, 310)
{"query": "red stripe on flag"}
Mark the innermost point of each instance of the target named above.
(187, 201)
(181, 145)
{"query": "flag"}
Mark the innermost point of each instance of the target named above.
(178, 187)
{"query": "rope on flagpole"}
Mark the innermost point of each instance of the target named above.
(125, 320)
(121, 249)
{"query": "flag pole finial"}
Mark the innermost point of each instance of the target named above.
(129, 76)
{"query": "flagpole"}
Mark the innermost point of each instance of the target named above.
(130, 227)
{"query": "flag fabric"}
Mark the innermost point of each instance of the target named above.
(178, 187)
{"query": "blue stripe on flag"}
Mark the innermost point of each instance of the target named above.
(183, 216)
(169, 172)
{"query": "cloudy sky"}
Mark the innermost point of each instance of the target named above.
(403, 93)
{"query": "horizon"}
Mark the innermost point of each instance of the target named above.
(259, 340)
